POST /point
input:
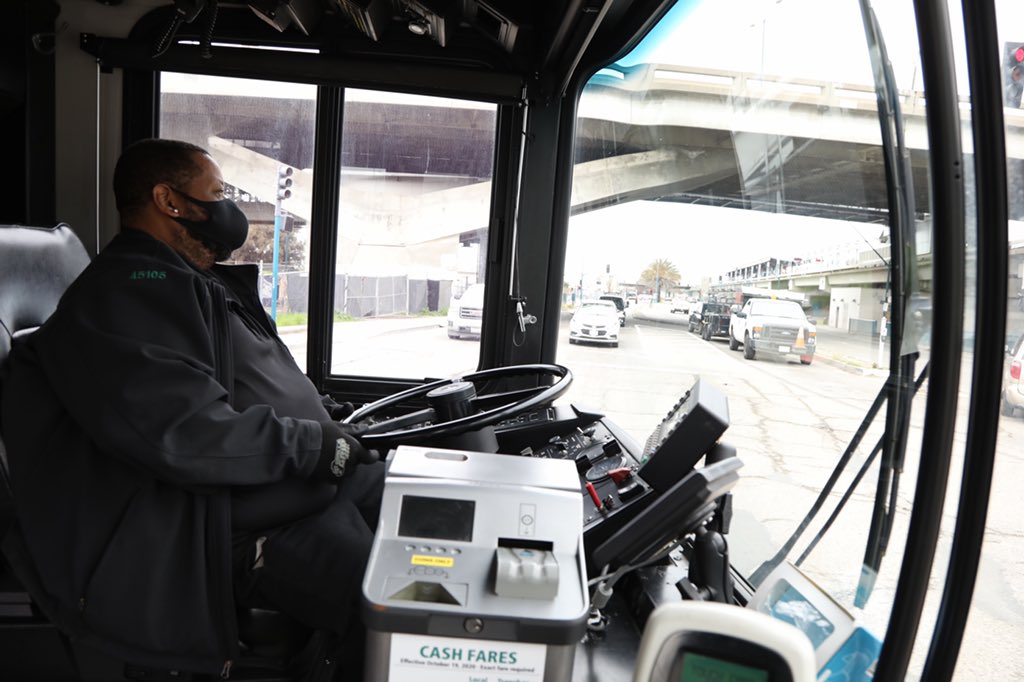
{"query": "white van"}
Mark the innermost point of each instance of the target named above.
(466, 313)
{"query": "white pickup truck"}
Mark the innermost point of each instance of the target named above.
(772, 327)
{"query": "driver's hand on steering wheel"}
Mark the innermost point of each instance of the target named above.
(341, 451)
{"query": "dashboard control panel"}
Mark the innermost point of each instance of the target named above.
(619, 480)
(688, 431)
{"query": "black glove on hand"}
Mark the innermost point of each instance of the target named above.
(341, 451)
(338, 411)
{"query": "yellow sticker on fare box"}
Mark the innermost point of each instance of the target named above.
(425, 560)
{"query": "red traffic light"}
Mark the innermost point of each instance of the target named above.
(1018, 54)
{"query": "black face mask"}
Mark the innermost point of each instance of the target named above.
(224, 231)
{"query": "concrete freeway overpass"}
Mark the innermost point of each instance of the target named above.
(650, 132)
(661, 131)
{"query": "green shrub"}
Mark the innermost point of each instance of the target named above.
(292, 319)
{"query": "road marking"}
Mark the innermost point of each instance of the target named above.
(644, 348)
(660, 370)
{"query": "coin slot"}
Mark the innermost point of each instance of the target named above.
(430, 592)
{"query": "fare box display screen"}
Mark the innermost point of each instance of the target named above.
(436, 518)
(698, 668)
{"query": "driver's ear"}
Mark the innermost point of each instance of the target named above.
(165, 200)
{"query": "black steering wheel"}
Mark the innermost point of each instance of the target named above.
(454, 406)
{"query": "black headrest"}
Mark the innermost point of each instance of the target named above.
(36, 265)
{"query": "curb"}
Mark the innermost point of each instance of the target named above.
(852, 369)
(299, 329)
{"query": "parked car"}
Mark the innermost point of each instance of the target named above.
(773, 327)
(710, 320)
(595, 322)
(466, 313)
(1013, 382)
(620, 305)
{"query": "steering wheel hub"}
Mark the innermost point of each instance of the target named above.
(452, 401)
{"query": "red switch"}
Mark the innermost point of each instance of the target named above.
(620, 475)
(593, 494)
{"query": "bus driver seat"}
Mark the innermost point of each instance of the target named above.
(36, 267)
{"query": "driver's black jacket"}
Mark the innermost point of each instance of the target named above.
(122, 447)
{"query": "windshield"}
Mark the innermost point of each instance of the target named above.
(616, 301)
(777, 309)
(742, 145)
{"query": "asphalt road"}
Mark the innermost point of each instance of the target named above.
(790, 423)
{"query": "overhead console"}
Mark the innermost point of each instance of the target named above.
(436, 19)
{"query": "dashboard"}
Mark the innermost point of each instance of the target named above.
(511, 539)
(619, 479)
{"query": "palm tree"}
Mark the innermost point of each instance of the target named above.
(660, 273)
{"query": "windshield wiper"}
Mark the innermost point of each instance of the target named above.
(903, 266)
(758, 576)
(855, 482)
(899, 389)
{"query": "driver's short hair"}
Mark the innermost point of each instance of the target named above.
(147, 163)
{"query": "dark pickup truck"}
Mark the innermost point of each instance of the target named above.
(710, 319)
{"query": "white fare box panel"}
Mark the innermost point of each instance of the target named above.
(448, 659)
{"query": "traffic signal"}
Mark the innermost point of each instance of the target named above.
(284, 182)
(1013, 74)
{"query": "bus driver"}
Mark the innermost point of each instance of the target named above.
(168, 457)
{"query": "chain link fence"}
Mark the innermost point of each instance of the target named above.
(361, 296)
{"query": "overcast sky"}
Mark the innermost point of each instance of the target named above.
(813, 39)
(701, 241)
(817, 39)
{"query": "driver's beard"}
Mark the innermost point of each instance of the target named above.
(198, 250)
(216, 249)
